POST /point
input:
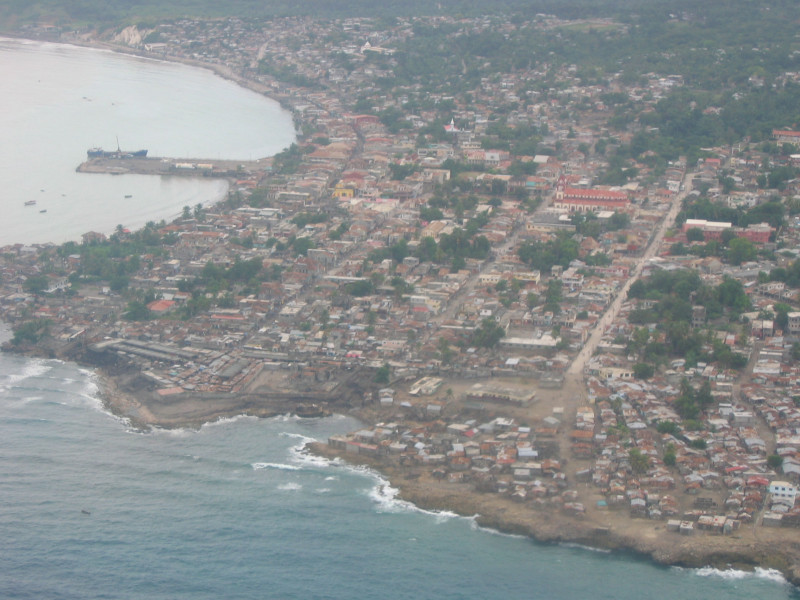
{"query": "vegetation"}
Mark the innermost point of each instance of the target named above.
(31, 332)
(669, 294)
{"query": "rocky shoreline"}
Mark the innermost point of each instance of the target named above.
(779, 550)
(744, 552)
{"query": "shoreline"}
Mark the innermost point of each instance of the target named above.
(615, 532)
(496, 513)
(550, 527)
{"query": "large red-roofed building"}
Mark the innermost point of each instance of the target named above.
(588, 200)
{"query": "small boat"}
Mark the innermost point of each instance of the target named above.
(43, 210)
(128, 195)
(85, 512)
(30, 202)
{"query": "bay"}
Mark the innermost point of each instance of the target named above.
(59, 100)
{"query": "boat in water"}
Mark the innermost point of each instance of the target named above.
(100, 153)
(30, 202)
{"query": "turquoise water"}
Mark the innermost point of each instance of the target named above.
(236, 509)
(60, 100)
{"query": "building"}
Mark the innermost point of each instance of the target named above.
(783, 492)
(588, 200)
(782, 135)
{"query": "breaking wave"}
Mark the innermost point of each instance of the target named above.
(279, 466)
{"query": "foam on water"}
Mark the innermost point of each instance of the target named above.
(290, 487)
(385, 496)
(585, 547)
(737, 574)
(286, 418)
(473, 524)
(278, 466)
(32, 368)
(228, 421)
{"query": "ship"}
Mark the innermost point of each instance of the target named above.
(100, 153)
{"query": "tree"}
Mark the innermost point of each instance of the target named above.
(643, 371)
(35, 284)
(639, 462)
(445, 351)
(31, 332)
(669, 456)
(741, 250)
(136, 311)
(775, 461)
(670, 427)
(488, 334)
(382, 374)
(695, 234)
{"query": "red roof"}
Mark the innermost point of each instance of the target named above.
(160, 305)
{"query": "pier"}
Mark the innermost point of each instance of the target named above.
(185, 167)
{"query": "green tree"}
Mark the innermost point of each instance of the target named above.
(741, 250)
(639, 462)
(643, 371)
(35, 284)
(488, 334)
(695, 234)
(775, 461)
(382, 374)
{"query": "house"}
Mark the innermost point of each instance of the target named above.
(783, 492)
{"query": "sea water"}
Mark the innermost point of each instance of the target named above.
(60, 100)
(94, 508)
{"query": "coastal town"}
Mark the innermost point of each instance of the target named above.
(599, 345)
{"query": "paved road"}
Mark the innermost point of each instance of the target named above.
(578, 365)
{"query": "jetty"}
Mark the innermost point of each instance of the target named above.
(185, 167)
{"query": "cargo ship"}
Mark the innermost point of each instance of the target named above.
(100, 153)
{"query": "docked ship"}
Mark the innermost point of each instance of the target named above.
(100, 153)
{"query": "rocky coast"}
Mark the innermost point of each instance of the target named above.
(749, 548)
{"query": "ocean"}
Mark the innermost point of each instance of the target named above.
(60, 100)
(92, 508)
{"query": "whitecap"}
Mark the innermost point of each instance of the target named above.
(323, 490)
(298, 436)
(584, 547)
(736, 574)
(178, 432)
(228, 421)
(279, 466)
(385, 496)
(290, 487)
(331, 478)
(32, 368)
(491, 531)
(286, 418)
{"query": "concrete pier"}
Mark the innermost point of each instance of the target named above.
(185, 167)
